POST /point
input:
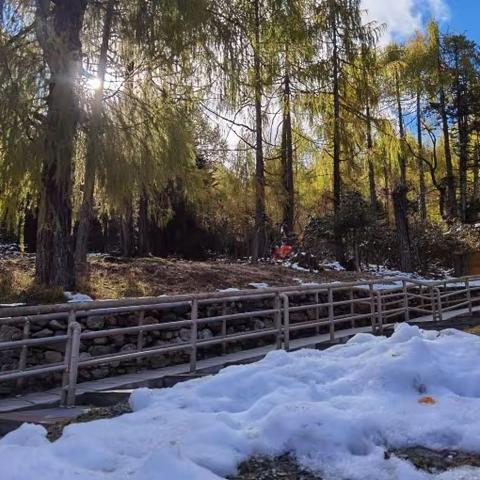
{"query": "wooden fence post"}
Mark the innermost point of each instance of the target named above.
(439, 303)
(469, 296)
(405, 301)
(140, 339)
(331, 315)
(66, 358)
(193, 335)
(317, 312)
(352, 308)
(224, 328)
(379, 313)
(278, 319)
(22, 361)
(373, 309)
(73, 367)
(286, 322)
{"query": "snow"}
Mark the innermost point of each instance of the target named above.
(333, 266)
(259, 286)
(337, 410)
(77, 297)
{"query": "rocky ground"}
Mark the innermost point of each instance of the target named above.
(55, 431)
(284, 467)
(433, 461)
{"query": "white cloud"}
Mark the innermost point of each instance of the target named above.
(404, 17)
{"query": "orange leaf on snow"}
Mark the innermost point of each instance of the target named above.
(427, 401)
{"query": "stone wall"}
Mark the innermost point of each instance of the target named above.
(125, 343)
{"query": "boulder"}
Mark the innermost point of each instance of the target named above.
(205, 334)
(9, 333)
(99, 350)
(44, 333)
(185, 334)
(95, 323)
(99, 372)
(51, 356)
(57, 325)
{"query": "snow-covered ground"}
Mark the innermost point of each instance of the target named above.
(336, 410)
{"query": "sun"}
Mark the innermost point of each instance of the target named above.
(94, 83)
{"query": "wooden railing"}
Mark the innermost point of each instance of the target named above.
(329, 311)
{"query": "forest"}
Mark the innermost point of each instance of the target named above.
(225, 128)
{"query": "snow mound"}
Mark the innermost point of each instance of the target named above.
(77, 297)
(336, 410)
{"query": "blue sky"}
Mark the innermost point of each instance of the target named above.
(464, 18)
(404, 17)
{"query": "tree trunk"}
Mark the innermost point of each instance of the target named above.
(400, 204)
(337, 179)
(126, 232)
(421, 167)
(401, 157)
(259, 239)
(143, 240)
(400, 200)
(476, 176)
(287, 163)
(451, 200)
(462, 125)
(86, 209)
(371, 168)
(58, 30)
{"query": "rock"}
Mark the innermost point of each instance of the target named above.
(129, 347)
(150, 320)
(185, 334)
(118, 340)
(84, 356)
(168, 335)
(58, 347)
(99, 372)
(51, 356)
(181, 310)
(44, 333)
(56, 325)
(159, 362)
(9, 333)
(169, 317)
(100, 341)
(205, 334)
(95, 323)
(268, 322)
(99, 350)
(258, 324)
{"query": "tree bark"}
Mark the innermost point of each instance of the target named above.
(401, 157)
(126, 231)
(451, 200)
(337, 178)
(93, 134)
(400, 204)
(259, 239)
(143, 240)
(421, 167)
(400, 199)
(287, 162)
(371, 168)
(58, 27)
(462, 126)
(476, 165)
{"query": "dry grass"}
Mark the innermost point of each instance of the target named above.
(122, 277)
